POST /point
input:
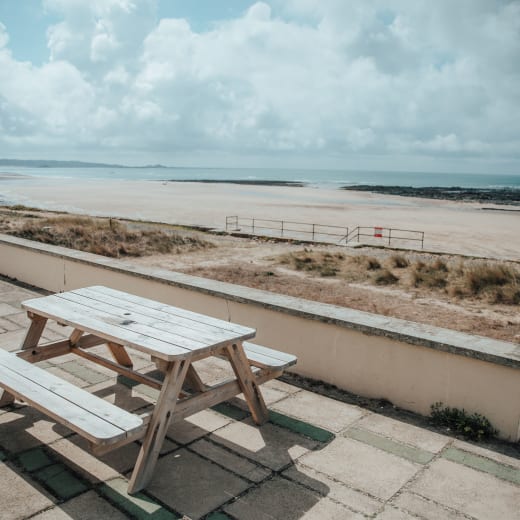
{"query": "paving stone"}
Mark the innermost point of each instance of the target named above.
(483, 464)
(218, 516)
(320, 410)
(391, 513)
(20, 318)
(488, 453)
(87, 506)
(196, 426)
(26, 428)
(301, 427)
(61, 481)
(230, 461)
(74, 454)
(138, 506)
(269, 445)
(280, 499)
(177, 475)
(120, 395)
(383, 443)
(467, 490)
(403, 432)
(333, 489)
(231, 410)
(362, 466)
(8, 325)
(68, 376)
(271, 395)
(6, 309)
(425, 508)
(85, 373)
(11, 341)
(35, 459)
(21, 497)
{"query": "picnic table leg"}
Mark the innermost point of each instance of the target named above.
(31, 339)
(159, 422)
(247, 382)
(120, 354)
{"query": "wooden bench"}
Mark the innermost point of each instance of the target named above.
(264, 357)
(97, 420)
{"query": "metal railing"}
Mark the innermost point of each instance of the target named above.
(320, 232)
(383, 234)
(286, 229)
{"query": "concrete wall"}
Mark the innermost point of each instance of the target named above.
(410, 364)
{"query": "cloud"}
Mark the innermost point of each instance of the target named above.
(292, 78)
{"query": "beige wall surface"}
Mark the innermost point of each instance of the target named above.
(411, 376)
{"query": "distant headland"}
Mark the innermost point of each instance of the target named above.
(44, 163)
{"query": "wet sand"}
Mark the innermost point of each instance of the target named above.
(453, 227)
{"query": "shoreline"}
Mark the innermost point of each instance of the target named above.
(247, 182)
(505, 196)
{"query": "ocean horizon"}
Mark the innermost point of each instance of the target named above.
(319, 178)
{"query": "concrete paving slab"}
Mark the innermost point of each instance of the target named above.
(196, 426)
(192, 485)
(424, 508)
(467, 490)
(61, 481)
(362, 467)
(281, 499)
(26, 428)
(391, 513)
(21, 497)
(403, 432)
(488, 453)
(7, 325)
(20, 318)
(384, 443)
(12, 340)
(68, 376)
(339, 492)
(7, 309)
(319, 410)
(120, 395)
(88, 506)
(230, 461)
(268, 445)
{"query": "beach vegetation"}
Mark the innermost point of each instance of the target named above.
(107, 237)
(430, 274)
(385, 277)
(398, 261)
(472, 426)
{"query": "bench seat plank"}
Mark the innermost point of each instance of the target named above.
(267, 357)
(99, 421)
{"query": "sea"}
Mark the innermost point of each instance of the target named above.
(314, 178)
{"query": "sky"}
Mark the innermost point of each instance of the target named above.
(358, 84)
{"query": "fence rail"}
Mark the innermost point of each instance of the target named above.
(319, 232)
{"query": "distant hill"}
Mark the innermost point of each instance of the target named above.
(42, 163)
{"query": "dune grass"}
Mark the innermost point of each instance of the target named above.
(107, 237)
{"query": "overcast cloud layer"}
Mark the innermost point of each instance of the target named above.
(330, 80)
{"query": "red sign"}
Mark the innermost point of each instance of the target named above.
(378, 232)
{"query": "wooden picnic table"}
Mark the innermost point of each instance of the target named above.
(174, 338)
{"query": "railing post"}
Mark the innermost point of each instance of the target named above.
(313, 232)
(253, 227)
(389, 235)
(422, 240)
(281, 234)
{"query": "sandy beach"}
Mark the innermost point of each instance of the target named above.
(453, 227)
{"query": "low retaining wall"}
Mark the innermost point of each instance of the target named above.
(410, 364)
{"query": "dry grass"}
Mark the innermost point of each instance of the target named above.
(398, 261)
(323, 263)
(385, 277)
(431, 275)
(107, 237)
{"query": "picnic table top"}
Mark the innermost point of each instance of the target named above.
(162, 330)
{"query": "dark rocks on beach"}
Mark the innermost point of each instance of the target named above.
(456, 193)
(294, 184)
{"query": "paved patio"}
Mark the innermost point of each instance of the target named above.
(317, 458)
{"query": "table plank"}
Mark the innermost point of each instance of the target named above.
(160, 328)
(53, 308)
(174, 311)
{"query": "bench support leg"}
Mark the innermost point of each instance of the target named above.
(120, 354)
(247, 382)
(6, 399)
(34, 333)
(159, 422)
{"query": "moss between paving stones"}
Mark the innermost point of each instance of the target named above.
(303, 428)
(139, 505)
(483, 464)
(34, 460)
(61, 481)
(2, 456)
(395, 448)
(231, 411)
(218, 516)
